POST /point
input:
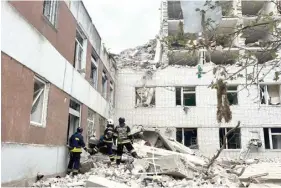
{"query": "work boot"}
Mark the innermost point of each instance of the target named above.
(68, 171)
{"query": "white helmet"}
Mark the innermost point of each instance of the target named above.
(110, 122)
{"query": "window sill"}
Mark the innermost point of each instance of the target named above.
(273, 150)
(236, 150)
(35, 124)
(270, 106)
(49, 23)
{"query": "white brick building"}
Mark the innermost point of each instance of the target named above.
(184, 106)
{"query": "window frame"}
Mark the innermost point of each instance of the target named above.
(79, 49)
(187, 92)
(226, 129)
(53, 16)
(111, 92)
(183, 135)
(231, 92)
(45, 93)
(104, 85)
(266, 89)
(270, 134)
(95, 64)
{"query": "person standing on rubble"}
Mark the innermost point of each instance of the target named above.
(76, 143)
(108, 139)
(122, 133)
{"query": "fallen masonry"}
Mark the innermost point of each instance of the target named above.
(163, 167)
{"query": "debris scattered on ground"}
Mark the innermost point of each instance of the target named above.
(166, 163)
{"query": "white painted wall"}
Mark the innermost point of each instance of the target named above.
(203, 116)
(85, 22)
(37, 53)
(20, 161)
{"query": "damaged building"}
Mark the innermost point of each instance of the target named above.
(56, 76)
(169, 88)
(65, 78)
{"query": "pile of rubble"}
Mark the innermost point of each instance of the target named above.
(166, 163)
(140, 57)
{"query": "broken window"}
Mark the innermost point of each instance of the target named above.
(272, 138)
(111, 93)
(79, 50)
(270, 94)
(145, 97)
(73, 117)
(186, 96)
(91, 123)
(232, 95)
(94, 71)
(188, 137)
(39, 110)
(104, 84)
(50, 10)
(233, 140)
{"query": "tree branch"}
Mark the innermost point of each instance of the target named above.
(223, 146)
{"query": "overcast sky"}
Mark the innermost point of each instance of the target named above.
(125, 24)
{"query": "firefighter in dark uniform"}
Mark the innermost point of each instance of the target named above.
(124, 138)
(76, 143)
(108, 139)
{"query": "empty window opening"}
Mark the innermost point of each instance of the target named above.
(178, 96)
(111, 93)
(73, 118)
(104, 84)
(188, 137)
(272, 138)
(232, 95)
(270, 94)
(39, 103)
(94, 71)
(145, 97)
(233, 140)
(79, 50)
(50, 10)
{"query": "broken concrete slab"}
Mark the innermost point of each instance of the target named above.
(172, 165)
(150, 151)
(97, 181)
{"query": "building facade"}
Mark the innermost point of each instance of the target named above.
(56, 76)
(181, 104)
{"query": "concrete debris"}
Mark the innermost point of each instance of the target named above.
(96, 181)
(166, 166)
(141, 57)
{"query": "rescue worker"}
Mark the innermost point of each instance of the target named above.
(122, 133)
(76, 143)
(108, 139)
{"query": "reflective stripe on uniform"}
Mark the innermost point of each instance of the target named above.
(108, 141)
(69, 170)
(124, 142)
(118, 157)
(75, 170)
(76, 150)
(76, 138)
(111, 156)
